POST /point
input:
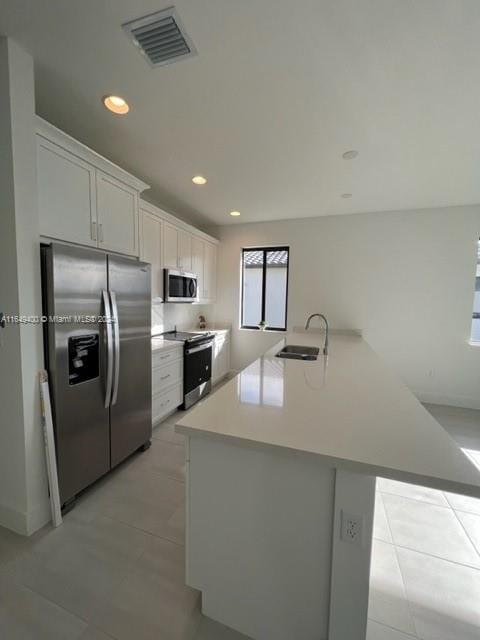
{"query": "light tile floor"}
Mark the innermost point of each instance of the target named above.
(425, 579)
(115, 568)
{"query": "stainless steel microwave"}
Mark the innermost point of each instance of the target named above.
(180, 286)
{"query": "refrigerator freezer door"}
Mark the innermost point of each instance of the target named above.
(131, 408)
(73, 280)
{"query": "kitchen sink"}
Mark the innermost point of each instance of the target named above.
(298, 352)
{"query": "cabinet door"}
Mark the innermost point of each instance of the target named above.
(170, 246)
(117, 215)
(221, 358)
(198, 264)
(215, 361)
(184, 250)
(210, 285)
(151, 249)
(66, 195)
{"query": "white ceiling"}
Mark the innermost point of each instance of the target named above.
(278, 92)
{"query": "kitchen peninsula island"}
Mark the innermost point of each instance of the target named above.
(281, 468)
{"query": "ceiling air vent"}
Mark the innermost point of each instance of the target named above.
(161, 37)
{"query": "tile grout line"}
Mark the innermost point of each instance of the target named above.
(467, 534)
(382, 624)
(48, 599)
(409, 604)
(149, 533)
(434, 504)
(430, 555)
(473, 513)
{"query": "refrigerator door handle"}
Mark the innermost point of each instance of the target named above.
(116, 334)
(108, 324)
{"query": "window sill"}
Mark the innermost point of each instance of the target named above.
(474, 343)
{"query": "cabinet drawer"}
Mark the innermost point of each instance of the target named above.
(163, 403)
(164, 377)
(161, 358)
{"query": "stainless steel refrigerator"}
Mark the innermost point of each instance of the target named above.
(98, 355)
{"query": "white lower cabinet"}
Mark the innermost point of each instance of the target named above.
(167, 382)
(220, 357)
(166, 402)
(164, 377)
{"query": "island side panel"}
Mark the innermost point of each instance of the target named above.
(351, 555)
(259, 538)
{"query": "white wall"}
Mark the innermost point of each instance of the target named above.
(182, 315)
(405, 278)
(24, 504)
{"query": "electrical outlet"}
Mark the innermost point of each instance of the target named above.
(352, 528)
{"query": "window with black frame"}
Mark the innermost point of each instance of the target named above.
(265, 288)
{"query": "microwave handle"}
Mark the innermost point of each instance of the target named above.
(193, 288)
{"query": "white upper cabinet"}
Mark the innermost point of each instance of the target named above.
(184, 250)
(151, 249)
(170, 246)
(210, 272)
(84, 198)
(177, 248)
(198, 264)
(66, 195)
(117, 215)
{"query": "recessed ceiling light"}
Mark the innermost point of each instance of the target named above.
(350, 155)
(199, 180)
(346, 195)
(116, 104)
(234, 213)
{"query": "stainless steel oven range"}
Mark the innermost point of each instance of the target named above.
(197, 364)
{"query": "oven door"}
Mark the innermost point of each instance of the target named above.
(197, 372)
(180, 286)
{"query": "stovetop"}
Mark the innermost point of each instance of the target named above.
(185, 336)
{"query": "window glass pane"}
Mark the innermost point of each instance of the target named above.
(252, 288)
(276, 289)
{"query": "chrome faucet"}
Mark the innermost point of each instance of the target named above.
(320, 315)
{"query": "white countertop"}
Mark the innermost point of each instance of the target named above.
(215, 330)
(160, 344)
(350, 409)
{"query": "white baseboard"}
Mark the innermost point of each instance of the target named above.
(13, 520)
(465, 402)
(25, 523)
(39, 517)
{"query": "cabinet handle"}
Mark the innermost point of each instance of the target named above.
(164, 357)
(93, 232)
(162, 404)
(165, 377)
(100, 232)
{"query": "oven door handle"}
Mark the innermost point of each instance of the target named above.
(201, 347)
